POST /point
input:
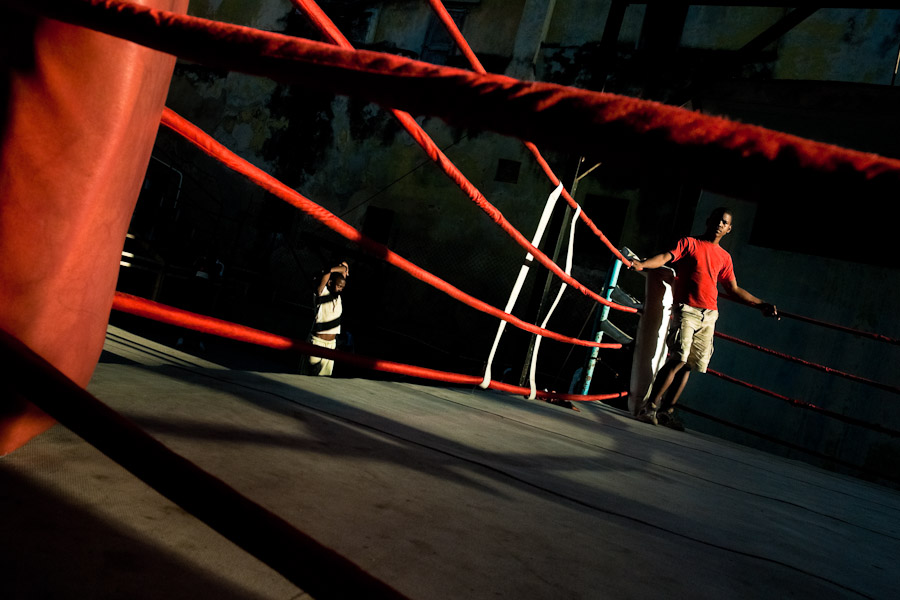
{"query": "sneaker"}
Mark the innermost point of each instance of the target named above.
(563, 403)
(648, 415)
(667, 419)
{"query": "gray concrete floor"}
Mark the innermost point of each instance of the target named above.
(442, 493)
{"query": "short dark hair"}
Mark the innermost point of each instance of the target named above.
(720, 212)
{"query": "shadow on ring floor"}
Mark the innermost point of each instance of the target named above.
(440, 492)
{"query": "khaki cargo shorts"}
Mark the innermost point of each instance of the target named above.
(691, 335)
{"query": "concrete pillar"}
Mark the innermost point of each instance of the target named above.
(532, 30)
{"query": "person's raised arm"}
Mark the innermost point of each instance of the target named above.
(343, 269)
(651, 263)
(740, 293)
(323, 282)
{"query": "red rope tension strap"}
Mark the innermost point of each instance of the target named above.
(182, 318)
(724, 156)
(315, 568)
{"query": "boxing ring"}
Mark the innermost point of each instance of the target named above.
(49, 376)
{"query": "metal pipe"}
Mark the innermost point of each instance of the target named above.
(180, 178)
(612, 280)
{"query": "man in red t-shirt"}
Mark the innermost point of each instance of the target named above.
(700, 264)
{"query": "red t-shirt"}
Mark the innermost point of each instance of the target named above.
(700, 267)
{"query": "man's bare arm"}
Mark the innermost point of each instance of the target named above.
(342, 268)
(652, 263)
(740, 293)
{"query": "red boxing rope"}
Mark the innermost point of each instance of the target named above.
(858, 379)
(807, 405)
(450, 25)
(872, 336)
(175, 316)
(315, 568)
(216, 150)
(327, 27)
(721, 155)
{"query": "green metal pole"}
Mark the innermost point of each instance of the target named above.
(612, 280)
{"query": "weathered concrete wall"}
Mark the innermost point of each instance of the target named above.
(842, 45)
(854, 45)
(727, 28)
(580, 22)
(403, 25)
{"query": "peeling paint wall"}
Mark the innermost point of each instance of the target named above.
(580, 22)
(853, 45)
(727, 27)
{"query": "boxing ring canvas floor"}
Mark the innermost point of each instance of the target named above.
(442, 493)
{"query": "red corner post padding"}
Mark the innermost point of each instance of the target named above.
(82, 111)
